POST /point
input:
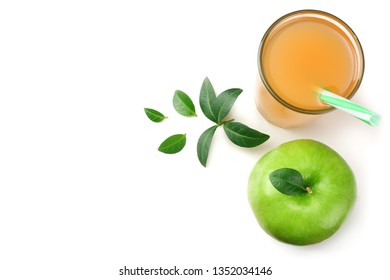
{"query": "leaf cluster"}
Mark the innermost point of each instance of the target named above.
(215, 108)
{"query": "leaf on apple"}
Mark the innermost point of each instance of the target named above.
(288, 181)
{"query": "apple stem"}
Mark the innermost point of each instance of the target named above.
(309, 190)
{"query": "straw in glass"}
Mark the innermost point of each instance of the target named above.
(346, 105)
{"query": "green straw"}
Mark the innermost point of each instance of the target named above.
(346, 105)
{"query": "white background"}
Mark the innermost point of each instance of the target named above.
(83, 189)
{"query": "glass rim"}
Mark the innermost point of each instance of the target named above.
(326, 16)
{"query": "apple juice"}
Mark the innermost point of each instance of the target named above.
(300, 53)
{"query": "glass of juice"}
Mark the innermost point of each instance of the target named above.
(299, 54)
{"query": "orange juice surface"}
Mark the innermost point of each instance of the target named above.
(307, 52)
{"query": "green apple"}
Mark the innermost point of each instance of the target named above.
(314, 213)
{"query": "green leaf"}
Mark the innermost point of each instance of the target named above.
(288, 181)
(204, 142)
(183, 104)
(173, 144)
(244, 136)
(154, 115)
(206, 98)
(224, 103)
